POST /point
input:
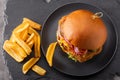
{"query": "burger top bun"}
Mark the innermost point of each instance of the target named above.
(82, 30)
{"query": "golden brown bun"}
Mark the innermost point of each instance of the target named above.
(82, 31)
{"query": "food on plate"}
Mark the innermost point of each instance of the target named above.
(39, 70)
(50, 53)
(81, 34)
(20, 44)
(28, 65)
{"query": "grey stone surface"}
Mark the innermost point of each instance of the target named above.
(4, 74)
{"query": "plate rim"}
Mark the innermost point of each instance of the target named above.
(116, 40)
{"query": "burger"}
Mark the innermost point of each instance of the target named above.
(81, 34)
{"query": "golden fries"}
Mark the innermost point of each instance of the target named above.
(17, 48)
(31, 37)
(15, 54)
(37, 46)
(36, 42)
(29, 64)
(11, 38)
(50, 52)
(39, 70)
(22, 44)
(22, 27)
(32, 23)
(20, 30)
(24, 35)
(23, 38)
(31, 43)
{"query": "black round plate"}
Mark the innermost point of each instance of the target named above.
(61, 62)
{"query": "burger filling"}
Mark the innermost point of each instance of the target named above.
(72, 50)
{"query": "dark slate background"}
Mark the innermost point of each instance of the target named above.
(38, 10)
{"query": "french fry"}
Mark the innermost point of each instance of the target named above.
(50, 52)
(30, 44)
(36, 42)
(7, 47)
(22, 44)
(24, 35)
(37, 46)
(31, 37)
(19, 29)
(11, 38)
(17, 48)
(29, 65)
(32, 23)
(39, 70)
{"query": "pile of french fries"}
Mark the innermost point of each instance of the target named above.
(24, 37)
